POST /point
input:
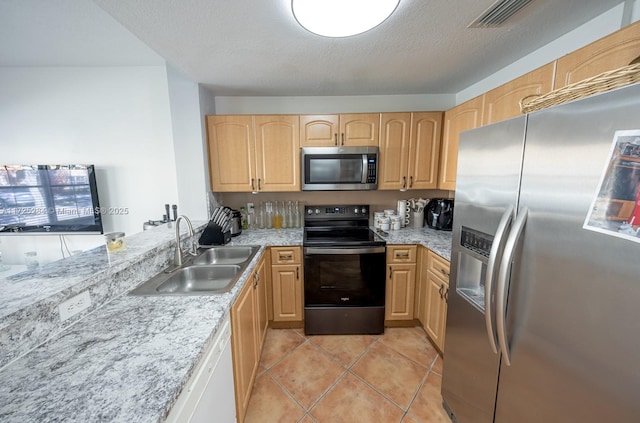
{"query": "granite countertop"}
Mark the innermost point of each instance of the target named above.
(437, 241)
(129, 359)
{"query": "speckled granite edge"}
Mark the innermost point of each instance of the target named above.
(33, 315)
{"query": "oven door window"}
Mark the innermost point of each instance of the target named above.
(344, 280)
(332, 169)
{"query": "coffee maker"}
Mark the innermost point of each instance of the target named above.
(439, 214)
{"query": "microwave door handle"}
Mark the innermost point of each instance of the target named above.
(365, 169)
(501, 288)
(503, 227)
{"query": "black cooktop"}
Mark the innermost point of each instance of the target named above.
(339, 225)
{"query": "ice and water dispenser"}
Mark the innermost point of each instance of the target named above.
(472, 265)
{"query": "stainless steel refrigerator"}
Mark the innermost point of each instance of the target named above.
(543, 319)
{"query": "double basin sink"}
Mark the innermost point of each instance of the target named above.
(213, 271)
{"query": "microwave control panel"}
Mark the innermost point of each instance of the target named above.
(371, 168)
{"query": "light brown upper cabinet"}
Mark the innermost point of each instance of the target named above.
(357, 129)
(611, 52)
(465, 116)
(409, 150)
(254, 153)
(503, 102)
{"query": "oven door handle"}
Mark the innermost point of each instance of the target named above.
(343, 251)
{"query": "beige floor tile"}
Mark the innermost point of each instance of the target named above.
(351, 400)
(408, 418)
(427, 407)
(437, 366)
(307, 419)
(307, 373)
(411, 342)
(391, 373)
(344, 348)
(269, 403)
(278, 343)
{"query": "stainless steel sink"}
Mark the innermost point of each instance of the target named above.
(214, 271)
(225, 255)
(195, 279)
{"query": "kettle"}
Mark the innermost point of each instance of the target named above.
(439, 214)
(236, 222)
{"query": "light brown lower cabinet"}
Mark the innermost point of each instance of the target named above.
(286, 282)
(433, 293)
(401, 281)
(248, 329)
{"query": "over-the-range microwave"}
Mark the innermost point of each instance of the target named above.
(339, 168)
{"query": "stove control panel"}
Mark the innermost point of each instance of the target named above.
(337, 211)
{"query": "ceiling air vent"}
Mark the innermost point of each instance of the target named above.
(498, 13)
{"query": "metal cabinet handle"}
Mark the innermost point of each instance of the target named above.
(402, 255)
(343, 138)
(288, 257)
(410, 181)
(446, 296)
(501, 287)
(390, 272)
(444, 272)
(253, 187)
(335, 138)
(255, 280)
(258, 184)
(297, 273)
(404, 182)
(440, 290)
(496, 246)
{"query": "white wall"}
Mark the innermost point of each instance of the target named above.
(115, 118)
(188, 146)
(334, 104)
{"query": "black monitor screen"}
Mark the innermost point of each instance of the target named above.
(49, 198)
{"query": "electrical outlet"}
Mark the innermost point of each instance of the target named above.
(74, 305)
(250, 208)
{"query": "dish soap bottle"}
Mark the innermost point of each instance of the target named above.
(243, 219)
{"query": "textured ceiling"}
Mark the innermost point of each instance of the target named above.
(256, 48)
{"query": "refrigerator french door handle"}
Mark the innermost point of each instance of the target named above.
(503, 226)
(501, 287)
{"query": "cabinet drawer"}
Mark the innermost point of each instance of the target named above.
(285, 255)
(438, 265)
(401, 253)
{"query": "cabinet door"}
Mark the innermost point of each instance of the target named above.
(287, 293)
(319, 130)
(401, 281)
(608, 53)
(424, 150)
(420, 309)
(245, 351)
(435, 311)
(360, 129)
(465, 116)
(503, 102)
(231, 153)
(262, 318)
(395, 132)
(277, 153)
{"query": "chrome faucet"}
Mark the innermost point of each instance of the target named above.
(177, 256)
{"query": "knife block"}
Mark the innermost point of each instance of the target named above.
(213, 235)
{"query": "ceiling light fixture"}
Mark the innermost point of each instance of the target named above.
(341, 18)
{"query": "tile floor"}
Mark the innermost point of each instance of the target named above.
(389, 378)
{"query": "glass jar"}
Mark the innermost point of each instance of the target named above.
(277, 216)
(261, 217)
(269, 215)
